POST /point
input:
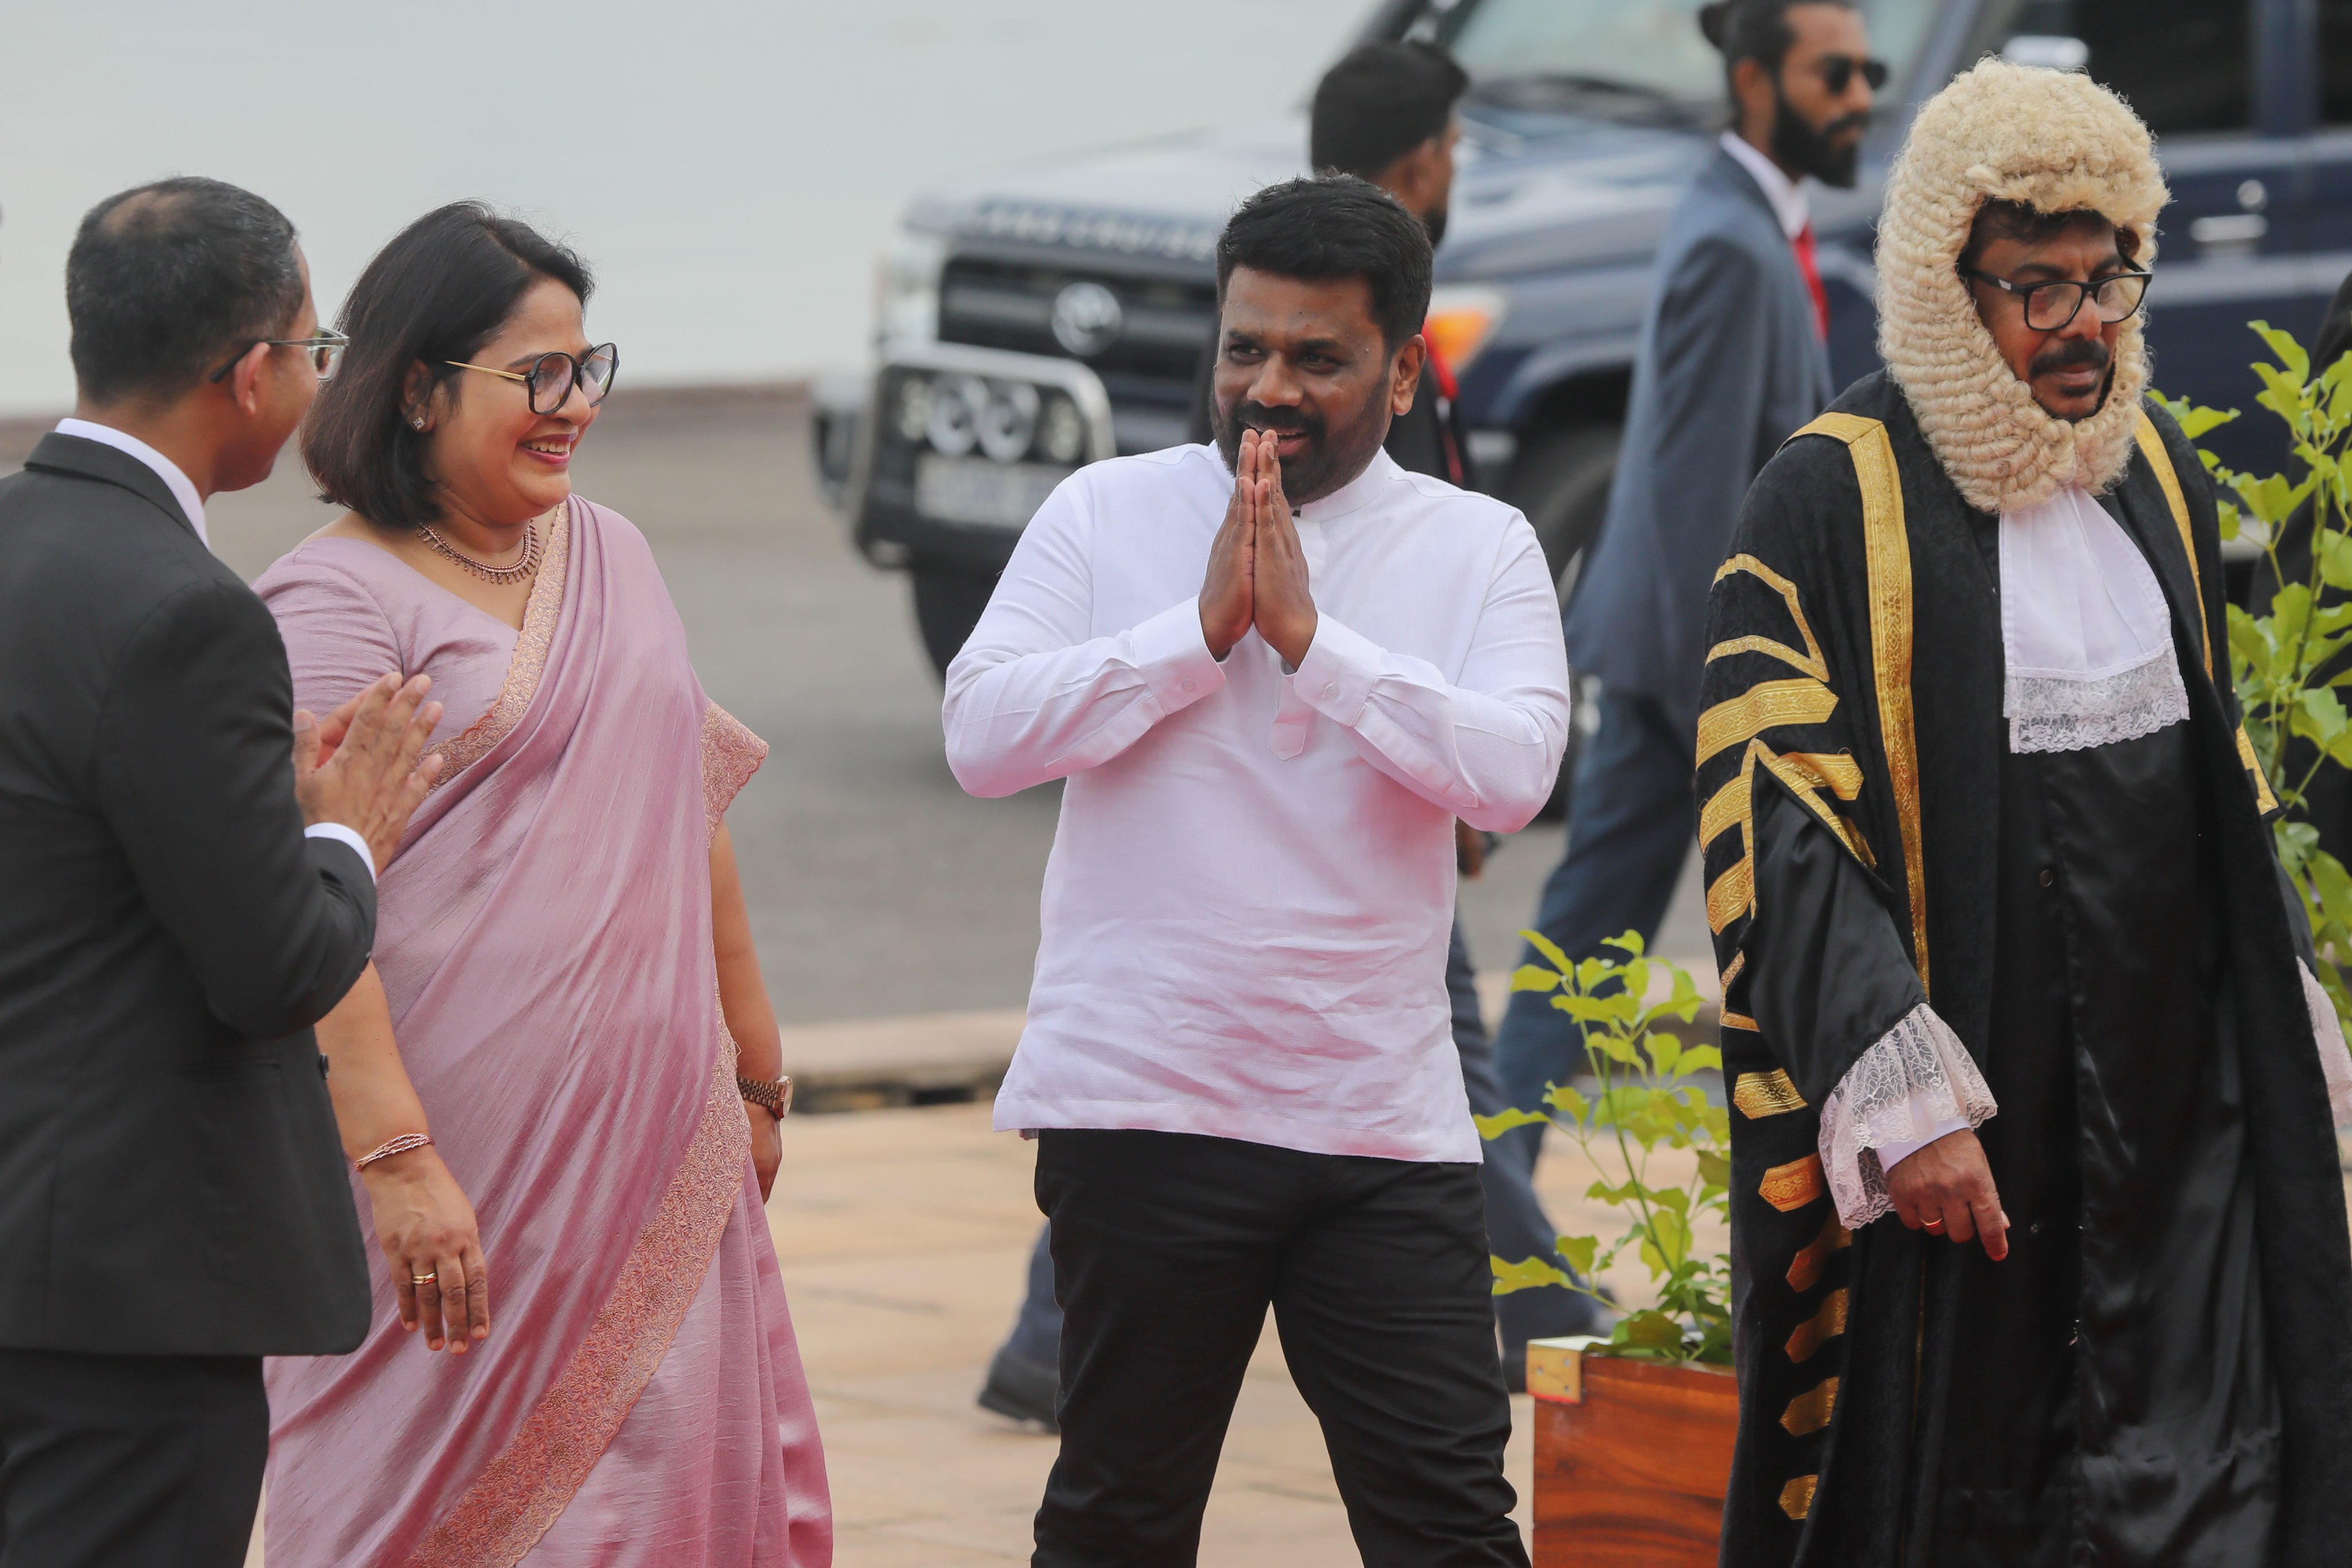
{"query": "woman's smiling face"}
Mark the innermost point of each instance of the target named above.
(495, 462)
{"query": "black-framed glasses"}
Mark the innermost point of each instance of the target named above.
(554, 374)
(2050, 307)
(323, 349)
(1838, 72)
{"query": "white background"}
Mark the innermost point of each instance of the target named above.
(730, 169)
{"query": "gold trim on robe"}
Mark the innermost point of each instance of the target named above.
(1805, 1268)
(1762, 1094)
(1825, 1325)
(1797, 1497)
(1763, 706)
(1810, 661)
(1794, 1185)
(1810, 1411)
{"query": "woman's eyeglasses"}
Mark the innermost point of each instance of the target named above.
(2050, 307)
(324, 350)
(553, 375)
(1838, 73)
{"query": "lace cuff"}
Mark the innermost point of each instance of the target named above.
(1915, 1075)
(2334, 1061)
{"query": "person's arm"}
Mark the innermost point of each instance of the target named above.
(743, 999)
(193, 775)
(1486, 746)
(1035, 695)
(423, 1220)
(1806, 934)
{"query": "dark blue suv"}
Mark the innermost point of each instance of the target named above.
(1056, 313)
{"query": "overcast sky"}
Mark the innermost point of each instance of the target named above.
(730, 169)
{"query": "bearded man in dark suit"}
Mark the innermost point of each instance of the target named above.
(178, 905)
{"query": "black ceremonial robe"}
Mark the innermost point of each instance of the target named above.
(2161, 1371)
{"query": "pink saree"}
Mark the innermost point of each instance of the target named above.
(545, 938)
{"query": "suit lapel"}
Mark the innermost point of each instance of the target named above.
(87, 459)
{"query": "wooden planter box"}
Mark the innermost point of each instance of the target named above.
(1632, 1459)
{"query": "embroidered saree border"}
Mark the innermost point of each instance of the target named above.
(1887, 547)
(540, 613)
(731, 754)
(523, 1491)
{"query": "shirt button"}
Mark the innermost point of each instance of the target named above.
(1329, 692)
(1190, 685)
(2048, 877)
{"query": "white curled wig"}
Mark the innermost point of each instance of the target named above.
(2055, 140)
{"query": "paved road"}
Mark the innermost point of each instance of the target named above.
(878, 887)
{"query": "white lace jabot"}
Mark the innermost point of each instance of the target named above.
(2084, 629)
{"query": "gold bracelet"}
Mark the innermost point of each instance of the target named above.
(391, 1146)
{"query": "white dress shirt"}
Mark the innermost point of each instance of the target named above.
(192, 504)
(1787, 197)
(1247, 909)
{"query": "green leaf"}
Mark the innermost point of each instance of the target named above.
(1533, 978)
(1715, 1168)
(1649, 1330)
(1630, 941)
(1503, 1121)
(1564, 1098)
(1579, 1251)
(1550, 949)
(2290, 353)
(1526, 1274)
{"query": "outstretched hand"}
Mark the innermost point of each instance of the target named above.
(1946, 1189)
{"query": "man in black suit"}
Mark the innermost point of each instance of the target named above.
(177, 906)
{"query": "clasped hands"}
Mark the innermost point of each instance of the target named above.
(1258, 568)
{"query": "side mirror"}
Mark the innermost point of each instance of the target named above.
(2048, 50)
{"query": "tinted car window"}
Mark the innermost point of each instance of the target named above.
(2185, 65)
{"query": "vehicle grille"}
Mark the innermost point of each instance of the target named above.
(1166, 324)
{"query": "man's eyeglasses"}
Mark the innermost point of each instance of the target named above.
(553, 375)
(1838, 72)
(2050, 307)
(323, 349)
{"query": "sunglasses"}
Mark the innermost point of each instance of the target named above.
(324, 350)
(553, 375)
(1838, 72)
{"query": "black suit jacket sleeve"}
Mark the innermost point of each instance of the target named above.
(195, 773)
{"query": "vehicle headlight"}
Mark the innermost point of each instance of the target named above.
(958, 404)
(1008, 420)
(1462, 321)
(1062, 430)
(907, 288)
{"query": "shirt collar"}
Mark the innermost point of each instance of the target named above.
(1787, 197)
(1356, 494)
(166, 470)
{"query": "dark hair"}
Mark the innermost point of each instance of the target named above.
(2029, 225)
(441, 289)
(1335, 226)
(166, 281)
(1379, 102)
(1755, 30)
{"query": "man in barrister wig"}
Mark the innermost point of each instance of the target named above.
(2007, 953)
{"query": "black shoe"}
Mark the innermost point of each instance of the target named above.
(1022, 1389)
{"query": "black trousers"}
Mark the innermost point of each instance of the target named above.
(129, 1461)
(1167, 1249)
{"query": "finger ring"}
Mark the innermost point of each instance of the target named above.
(1932, 1224)
(423, 1279)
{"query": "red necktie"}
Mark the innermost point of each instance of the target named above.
(1808, 264)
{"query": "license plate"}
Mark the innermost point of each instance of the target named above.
(978, 491)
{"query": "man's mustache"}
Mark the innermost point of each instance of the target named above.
(2086, 353)
(1858, 122)
(1258, 416)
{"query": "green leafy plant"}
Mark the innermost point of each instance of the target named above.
(1646, 1097)
(2289, 661)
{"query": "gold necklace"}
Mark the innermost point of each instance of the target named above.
(504, 576)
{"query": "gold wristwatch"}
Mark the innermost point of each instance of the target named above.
(775, 1098)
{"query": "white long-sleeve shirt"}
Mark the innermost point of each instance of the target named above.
(1246, 907)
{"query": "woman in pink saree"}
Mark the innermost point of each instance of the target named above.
(565, 976)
